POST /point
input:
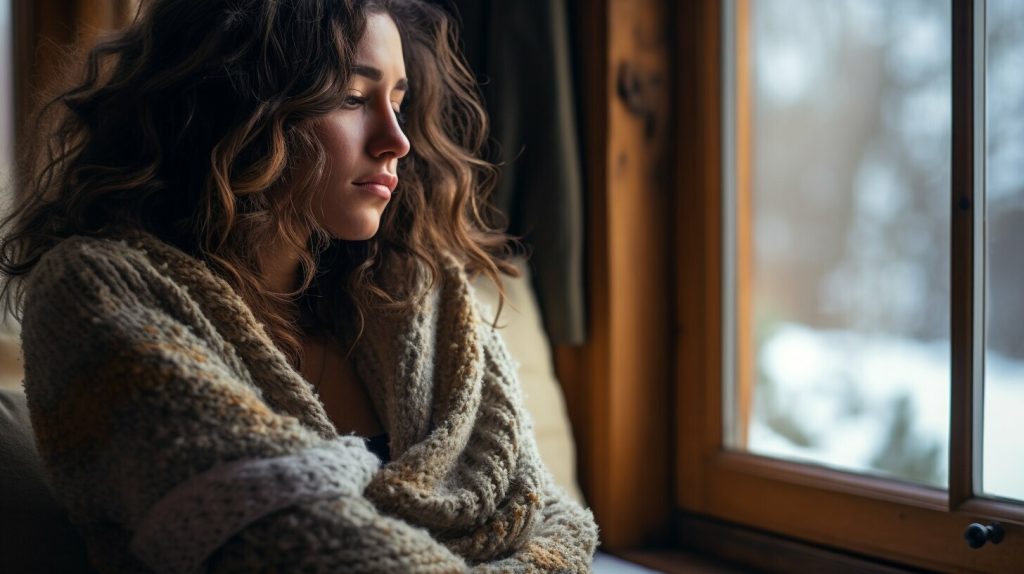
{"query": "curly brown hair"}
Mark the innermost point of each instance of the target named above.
(187, 120)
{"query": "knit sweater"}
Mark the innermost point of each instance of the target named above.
(180, 439)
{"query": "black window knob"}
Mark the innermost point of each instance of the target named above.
(977, 535)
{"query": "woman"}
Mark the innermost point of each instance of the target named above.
(236, 264)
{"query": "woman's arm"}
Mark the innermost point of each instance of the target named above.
(156, 439)
(567, 536)
(565, 526)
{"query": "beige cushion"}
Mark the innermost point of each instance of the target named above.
(11, 371)
(521, 327)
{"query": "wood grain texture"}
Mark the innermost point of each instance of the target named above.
(746, 351)
(638, 200)
(617, 385)
(962, 271)
(698, 247)
(748, 549)
(843, 514)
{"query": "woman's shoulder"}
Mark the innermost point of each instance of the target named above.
(73, 252)
(78, 260)
(87, 259)
(82, 272)
(125, 246)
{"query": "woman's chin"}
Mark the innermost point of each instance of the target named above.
(355, 232)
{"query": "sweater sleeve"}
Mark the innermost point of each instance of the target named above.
(564, 542)
(156, 440)
(567, 536)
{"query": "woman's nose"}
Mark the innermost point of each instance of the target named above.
(388, 139)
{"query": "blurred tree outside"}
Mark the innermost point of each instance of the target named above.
(851, 226)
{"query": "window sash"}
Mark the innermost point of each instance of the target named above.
(967, 265)
(910, 524)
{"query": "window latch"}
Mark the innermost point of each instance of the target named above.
(978, 534)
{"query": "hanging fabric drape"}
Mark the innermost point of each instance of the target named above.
(521, 53)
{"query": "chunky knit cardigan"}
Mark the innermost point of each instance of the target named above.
(181, 440)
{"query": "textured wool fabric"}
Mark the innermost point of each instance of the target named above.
(148, 377)
(188, 524)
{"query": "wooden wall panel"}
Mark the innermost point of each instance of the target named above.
(617, 385)
(639, 197)
(699, 246)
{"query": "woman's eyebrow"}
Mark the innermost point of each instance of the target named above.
(376, 75)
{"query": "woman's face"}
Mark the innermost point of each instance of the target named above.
(363, 139)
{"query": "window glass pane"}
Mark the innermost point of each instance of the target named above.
(7, 323)
(6, 100)
(1003, 456)
(842, 255)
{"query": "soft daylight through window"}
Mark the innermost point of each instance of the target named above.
(843, 284)
(1003, 466)
(6, 97)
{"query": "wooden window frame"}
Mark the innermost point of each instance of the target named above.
(894, 521)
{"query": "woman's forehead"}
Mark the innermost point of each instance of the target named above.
(379, 53)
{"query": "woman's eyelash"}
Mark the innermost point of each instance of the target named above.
(354, 101)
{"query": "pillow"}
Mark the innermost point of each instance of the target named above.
(521, 326)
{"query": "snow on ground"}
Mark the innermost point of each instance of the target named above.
(879, 404)
(1003, 465)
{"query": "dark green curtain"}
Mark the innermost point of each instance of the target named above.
(521, 51)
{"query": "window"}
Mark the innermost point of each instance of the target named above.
(7, 138)
(851, 349)
(6, 97)
(841, 151)
(1002, 457)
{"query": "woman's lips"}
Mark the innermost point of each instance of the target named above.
(382, 184)
(377, 189)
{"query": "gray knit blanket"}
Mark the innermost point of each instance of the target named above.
(181, 440)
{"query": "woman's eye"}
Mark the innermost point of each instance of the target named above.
(400, 116)
(353, 101)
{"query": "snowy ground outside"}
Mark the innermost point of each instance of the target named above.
(878, 404)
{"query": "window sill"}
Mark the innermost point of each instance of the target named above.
(676, 562)
(735, 548)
